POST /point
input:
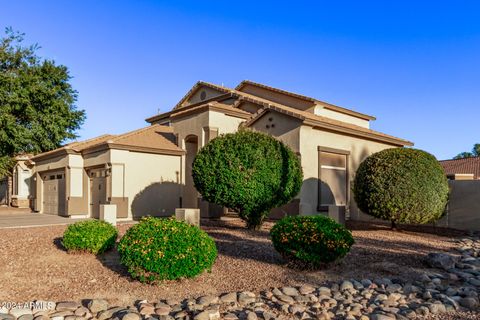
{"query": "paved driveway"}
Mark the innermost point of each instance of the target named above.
(24, 220)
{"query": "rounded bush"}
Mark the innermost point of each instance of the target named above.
(401, 185)
(92, 236)
(311, 240)
(249, 172)
(166, 249)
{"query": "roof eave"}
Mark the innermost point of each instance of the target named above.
(353, 132)
(53, 154)
(119, 146)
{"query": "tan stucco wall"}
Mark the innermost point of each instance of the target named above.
(310, 140)
(286, 129)
(463, 211)
(321, 111)
(249, 107)
(201, 125)
(305, 140)
(150, 182)
(197, 124)
(210, 93)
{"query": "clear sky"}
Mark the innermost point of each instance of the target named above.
(415, 65)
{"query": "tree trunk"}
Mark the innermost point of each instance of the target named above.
(9, 190)
(394, 225)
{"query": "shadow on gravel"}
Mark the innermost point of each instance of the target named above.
(111, 260)
(245, 248)
(58, 243)
(405, 228)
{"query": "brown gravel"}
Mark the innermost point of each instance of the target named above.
(34, 266)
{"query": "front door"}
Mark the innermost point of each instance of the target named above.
(98, 191)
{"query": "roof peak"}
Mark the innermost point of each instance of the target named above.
(305, 98)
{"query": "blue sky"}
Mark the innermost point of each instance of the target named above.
(415, 65)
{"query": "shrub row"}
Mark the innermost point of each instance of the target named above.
(154, 249)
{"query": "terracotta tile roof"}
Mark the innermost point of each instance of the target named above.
(73, 147)
(308, 117)
(305, 98)
(462, 166)
(82, 145)
(155, 139)
(152, 139)
(322, 122)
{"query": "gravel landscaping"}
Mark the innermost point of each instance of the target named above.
(389, 268)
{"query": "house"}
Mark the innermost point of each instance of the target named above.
(138, 171)
(16, 190)
(148, 171)
(462, 169)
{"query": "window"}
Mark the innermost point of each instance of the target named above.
(333, 178)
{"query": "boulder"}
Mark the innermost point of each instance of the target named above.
(443, 261)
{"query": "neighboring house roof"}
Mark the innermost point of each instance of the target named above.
(151, 139)
(462, 166)
(316, 121)
(305, 98)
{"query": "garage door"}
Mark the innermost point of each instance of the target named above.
(54, 193)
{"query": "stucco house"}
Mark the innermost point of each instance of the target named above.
(148, 171)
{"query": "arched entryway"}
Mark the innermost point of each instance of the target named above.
(191, 195)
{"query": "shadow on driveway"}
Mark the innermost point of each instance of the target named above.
(25, 220)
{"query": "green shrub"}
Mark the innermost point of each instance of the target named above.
(166, 249)
(311, 240)
(249, 172)
(401, 185)
(93, 236)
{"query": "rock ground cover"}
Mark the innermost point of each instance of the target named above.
(400, 285)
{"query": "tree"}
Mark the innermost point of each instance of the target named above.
(474, 153)
(249, 172)
(402, 186)
(37, 102)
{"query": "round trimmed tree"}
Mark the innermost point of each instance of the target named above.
(401, 185)
(249, 172)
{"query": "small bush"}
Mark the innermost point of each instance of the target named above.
(401, 185)
(92, 236)
(311, 240)
(249, 172)
(166, 249)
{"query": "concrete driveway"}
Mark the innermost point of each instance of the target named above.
(12, 219)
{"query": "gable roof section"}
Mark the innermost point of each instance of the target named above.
(326, 105)
(197, 86)
(462, 166)
(151, 139)
(72, 148)
(213, 106)
(321, 122)
(212, 102)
